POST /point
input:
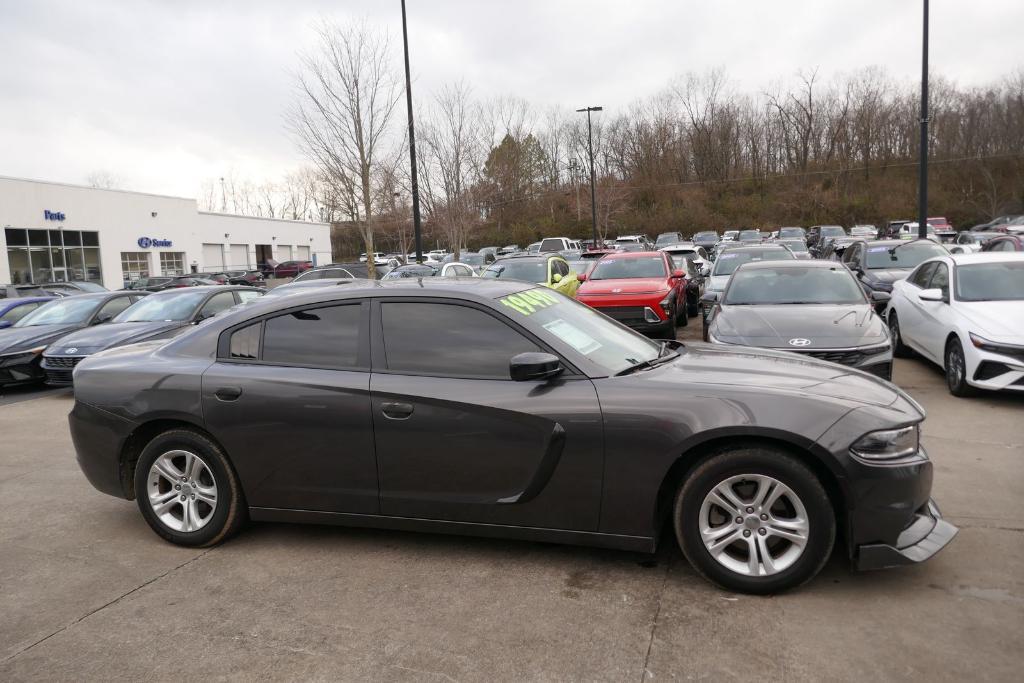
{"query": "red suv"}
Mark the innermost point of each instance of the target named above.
(1004, 243)
(641, 289)
(291, 268)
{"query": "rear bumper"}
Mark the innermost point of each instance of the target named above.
(99, 438)
(926, 535)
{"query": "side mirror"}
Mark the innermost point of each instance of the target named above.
(534, 365)
(705, 270)
(582, 277)
(931, 295)
(678, 273)
(710, 298)
(104, 318)
(557, 277)
(880, 297)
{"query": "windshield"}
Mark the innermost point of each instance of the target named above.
(795, 245)
(619, 268)
(169, 307)
(733, 259)
(832, 231)
(411, 271)
(526, 270)
(577, 327)
(906, 255)
(798, 233)
(788, 285)
(668, 238)
(990, 281)
(69, 311)
(750, 235)
(471, 259)
(705, 237)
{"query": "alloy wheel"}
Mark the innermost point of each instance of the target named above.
(182, 491)
(955, 367)
(754, 525)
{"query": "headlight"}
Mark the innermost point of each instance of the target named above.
(19, 357)
(888, 444)
(875, 348)
(993, 347)
(666, 303)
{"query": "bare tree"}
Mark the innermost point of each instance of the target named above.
(347, 94)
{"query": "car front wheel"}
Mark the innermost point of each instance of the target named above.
(754, 520)
(187, 491)
(899, 349)
(956, 370)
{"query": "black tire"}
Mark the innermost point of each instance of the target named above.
(899, 349)
(230, 512)
(955, 366)
(755, 461)
(683, 316)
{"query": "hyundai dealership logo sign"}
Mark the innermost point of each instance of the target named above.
(147, 242)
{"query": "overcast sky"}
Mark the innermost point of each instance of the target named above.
(165, 94)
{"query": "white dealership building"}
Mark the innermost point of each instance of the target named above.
(53, 231)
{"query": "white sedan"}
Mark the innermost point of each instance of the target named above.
(966, 313)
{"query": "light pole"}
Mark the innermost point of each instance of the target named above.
(922, 182)
(590, 149)
(412, 146)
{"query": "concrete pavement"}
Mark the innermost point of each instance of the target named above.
(88, 592)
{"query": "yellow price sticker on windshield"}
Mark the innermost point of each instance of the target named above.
(529, 301)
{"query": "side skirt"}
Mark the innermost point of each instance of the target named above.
(642, 544)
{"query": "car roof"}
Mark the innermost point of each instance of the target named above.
(637, 254)
(758, 247)
(526, 257)
(986, 257)
(202, 288)
(810, 263)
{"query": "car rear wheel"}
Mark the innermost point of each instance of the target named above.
(754, 520)
(956, 370)
(187, 490)
(899, 349)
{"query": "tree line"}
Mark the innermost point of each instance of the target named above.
(698, 155)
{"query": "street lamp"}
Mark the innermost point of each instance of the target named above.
(590, 148)
(412, 146)
(922, 189)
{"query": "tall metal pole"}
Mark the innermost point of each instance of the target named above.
(922, 198)
(412, 146)
(590, 149)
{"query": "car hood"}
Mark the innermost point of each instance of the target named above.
(889, 274)
(994, 320)
(93, 339)
(824, 326)
(23, 338)
(761, 369)
(633, 285)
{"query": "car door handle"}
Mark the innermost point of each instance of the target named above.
(396, 411)
(228, 393)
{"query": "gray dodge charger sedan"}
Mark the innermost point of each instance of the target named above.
(504, 409)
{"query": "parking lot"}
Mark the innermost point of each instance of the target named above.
(88, 592)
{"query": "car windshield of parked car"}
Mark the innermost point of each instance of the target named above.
(69, 311)
(411, 271)
(796, 233)
(471, 258)
(83, 286)
(707, 237)
(613, 268)
(734, 258)
(525, 270)
(832, 231)
(170, 307)
(794, 245)
(907, 255)
(788, 285)
(750, 235)
(990, 281)
(580, 328)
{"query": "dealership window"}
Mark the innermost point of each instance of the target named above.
(37, 256)
(172, 263)
(134, 265)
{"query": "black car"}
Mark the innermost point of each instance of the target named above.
(814, 308)
(73, 287)
(522, 414)
(161, 316)
(22, 345)
(818, 233)
(707, 239)
(879, 263)
(832, 248)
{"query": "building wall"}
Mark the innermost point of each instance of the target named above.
(123, 219)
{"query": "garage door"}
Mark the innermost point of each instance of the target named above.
(239, 256)
(213, 257)
(284, 252)
(303, 254)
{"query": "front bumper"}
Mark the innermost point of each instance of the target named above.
(927, 534)
(642, 316)
(60, 369)
(993, 371)
(20, 369)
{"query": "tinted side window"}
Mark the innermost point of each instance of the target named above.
(217, 303)
(940, 280)
(113, 307)
(245, 343)
(449, 340)
(921, 276)
(326, 337)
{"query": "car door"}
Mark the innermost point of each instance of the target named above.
(288, 398)
(457, 439)
(911, 311)
(935, 316)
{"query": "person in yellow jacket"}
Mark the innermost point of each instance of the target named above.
(549, 270)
